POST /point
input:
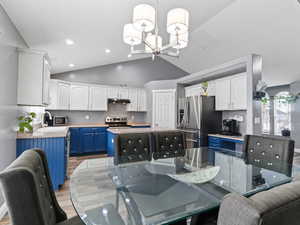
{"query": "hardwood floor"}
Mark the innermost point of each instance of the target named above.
(63, 195)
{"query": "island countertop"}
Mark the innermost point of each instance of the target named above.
(136, 130)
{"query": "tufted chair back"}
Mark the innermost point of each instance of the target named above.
(270, 152)
(169, 144)
(28, 191)
(133, 147)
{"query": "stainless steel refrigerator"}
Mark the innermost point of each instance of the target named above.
(197, 117)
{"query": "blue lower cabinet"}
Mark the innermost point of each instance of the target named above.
(88, 140)
(224, 143)
(75, 141)
(111, 143)
(56, 152)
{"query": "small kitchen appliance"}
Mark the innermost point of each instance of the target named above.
(230, 127)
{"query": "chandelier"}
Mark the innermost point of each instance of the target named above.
(144, 31)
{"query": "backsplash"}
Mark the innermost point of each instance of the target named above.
(99, 117)
(237, 115)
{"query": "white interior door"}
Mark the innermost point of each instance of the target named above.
(164, 109)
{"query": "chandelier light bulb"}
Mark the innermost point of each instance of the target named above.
(179, 41)
(178, 21)
(144, 17)
(131, 36)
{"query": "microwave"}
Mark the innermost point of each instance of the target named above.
(60, 120)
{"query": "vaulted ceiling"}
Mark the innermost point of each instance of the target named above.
(221, 30)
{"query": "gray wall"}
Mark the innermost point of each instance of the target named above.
(9, 40)
(132, 73)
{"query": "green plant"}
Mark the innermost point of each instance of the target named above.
(204, 86)
(25, 122)
(289, 99)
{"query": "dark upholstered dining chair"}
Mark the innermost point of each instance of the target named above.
(29, 194)
(277, 206)
(132, 147)
(270, 152)
(168, 144)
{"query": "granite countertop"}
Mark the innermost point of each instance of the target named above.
(136, 130)
(238, 138)
(46, 132)
(62, 131)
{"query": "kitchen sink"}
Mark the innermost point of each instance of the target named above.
(47, 130)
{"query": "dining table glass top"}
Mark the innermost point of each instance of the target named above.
(167, 190)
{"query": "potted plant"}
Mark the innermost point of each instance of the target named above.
(25, 122)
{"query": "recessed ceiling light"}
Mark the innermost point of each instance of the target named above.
(129, 55)
(71, 65)
(107, 50)
(69, 41)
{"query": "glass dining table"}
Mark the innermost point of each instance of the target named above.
(167, 190)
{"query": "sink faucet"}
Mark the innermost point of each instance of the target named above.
(43, 118)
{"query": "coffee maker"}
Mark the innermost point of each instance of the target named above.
(230, 127)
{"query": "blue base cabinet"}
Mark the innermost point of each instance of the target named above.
(56, 152)
(88, 140)
(219, 143)
(111, 143)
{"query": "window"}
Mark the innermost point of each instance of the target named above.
(265, 115)
(282, 113)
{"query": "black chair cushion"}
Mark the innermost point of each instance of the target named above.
(270, 152)
(169, 145)
(133, 147)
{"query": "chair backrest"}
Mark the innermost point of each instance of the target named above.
(132, 147)
(270, 152)
(28, 191)
(277, 206)
(168, 144)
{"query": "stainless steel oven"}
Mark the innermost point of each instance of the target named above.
(60, 120)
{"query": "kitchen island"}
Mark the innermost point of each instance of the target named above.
(113, 132)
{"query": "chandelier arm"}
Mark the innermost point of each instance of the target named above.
(168, 46)
(146, 43)
(136, 52)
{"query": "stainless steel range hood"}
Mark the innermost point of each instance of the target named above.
(118, 101)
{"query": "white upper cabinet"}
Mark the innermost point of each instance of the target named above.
(98, 98)
(123, 93)
(142, 100)
(133, 97)
(113, 92)
(239, 92)
(79, 97)
(53, 95)
(223, 94)
(33, 79)
(231, 93)
(63, 95)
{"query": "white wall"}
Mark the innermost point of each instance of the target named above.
(9, 40)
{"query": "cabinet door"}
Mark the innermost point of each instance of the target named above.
(239, 92)
(98, 98)
(46, 81)
(53, 97)
(63, 99)
(123, 93)
(75, 141)
(79, 97)
(87, 140)
(142, 100)
(113, 92)
(223, 94)
(133, 97)
(100, 139)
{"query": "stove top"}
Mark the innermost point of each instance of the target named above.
(116, 121)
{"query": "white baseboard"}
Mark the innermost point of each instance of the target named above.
(3, 210)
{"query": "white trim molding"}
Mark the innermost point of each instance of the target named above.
(3, 210)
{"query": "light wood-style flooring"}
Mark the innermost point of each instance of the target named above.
(63, 195)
